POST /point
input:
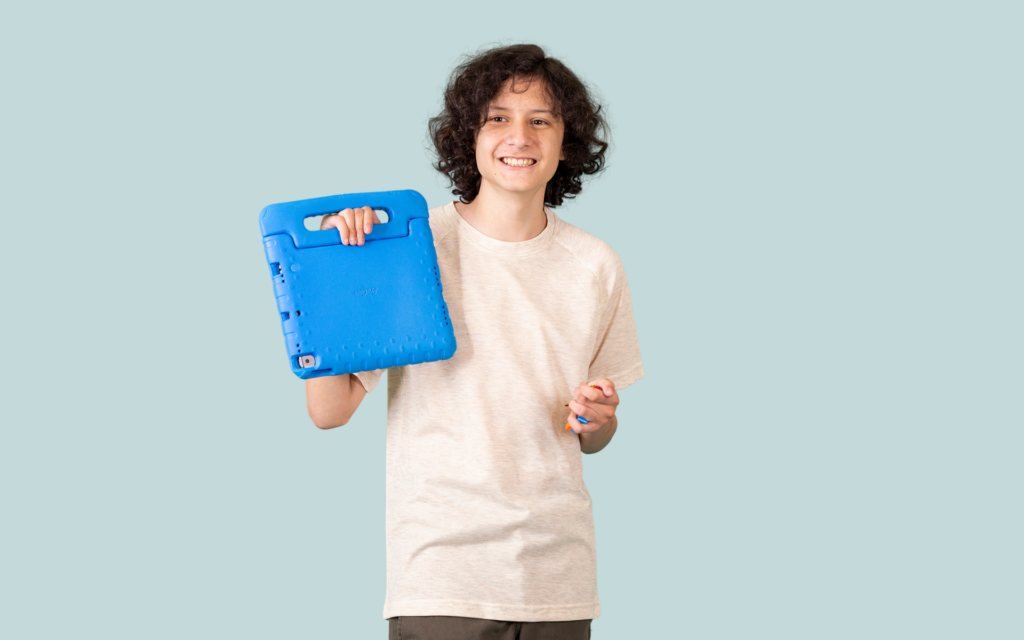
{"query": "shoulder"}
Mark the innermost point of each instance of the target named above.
(442, 221)
(592, 252)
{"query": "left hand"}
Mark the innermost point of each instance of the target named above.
(597, 405)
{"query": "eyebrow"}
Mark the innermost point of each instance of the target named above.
(497, 108)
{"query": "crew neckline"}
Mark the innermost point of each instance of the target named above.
(524, 247)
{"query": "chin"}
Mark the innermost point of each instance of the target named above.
(518, 188)
(522, 186)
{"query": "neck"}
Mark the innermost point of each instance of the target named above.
(510, 217)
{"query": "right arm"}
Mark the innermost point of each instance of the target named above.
(331, 400)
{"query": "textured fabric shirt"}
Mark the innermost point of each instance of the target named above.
(487, 515)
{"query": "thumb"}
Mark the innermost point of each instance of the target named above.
(603, 385)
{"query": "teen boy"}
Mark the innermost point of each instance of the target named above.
(490, 532)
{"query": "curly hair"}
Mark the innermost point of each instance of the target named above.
(470, 90)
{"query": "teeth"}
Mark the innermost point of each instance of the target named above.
(518, 163)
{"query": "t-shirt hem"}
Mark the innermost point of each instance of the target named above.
(492, 611)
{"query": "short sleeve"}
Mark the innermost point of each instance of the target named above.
(617, 352)
(369, 378)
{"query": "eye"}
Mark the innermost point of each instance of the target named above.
(497, 118)
(538, 121)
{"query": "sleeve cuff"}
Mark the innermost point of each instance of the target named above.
(625, 378)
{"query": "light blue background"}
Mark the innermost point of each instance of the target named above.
(819, 208)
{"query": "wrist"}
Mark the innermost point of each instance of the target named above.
(594, 441)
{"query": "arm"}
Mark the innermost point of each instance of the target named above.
(331, 400)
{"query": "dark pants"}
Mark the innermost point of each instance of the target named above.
(453, 628)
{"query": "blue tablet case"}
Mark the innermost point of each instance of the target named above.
(349, 308)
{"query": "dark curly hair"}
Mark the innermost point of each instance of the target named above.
(470, 90)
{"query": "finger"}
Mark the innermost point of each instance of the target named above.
(583, 410)
(574, 425)
(577, 393)
(342, 226)
(605, 394)
(605, 385)
(584, 393)
(350, 222)
(360, 233)
(369, 217)
(330, 221)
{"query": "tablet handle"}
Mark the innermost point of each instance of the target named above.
(288, 217)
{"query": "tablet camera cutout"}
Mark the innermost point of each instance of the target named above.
(307, 362)
(312, 223)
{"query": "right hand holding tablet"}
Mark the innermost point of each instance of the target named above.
(352, 224)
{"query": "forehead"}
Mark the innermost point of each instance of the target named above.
(527, 94)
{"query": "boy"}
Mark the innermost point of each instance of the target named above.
(490, 531)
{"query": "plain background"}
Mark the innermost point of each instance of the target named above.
(819, 208)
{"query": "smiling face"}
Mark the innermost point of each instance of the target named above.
(520, 143)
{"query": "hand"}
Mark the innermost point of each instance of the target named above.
(352, 224)
(596, 402)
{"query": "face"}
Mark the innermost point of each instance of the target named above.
(520, 144)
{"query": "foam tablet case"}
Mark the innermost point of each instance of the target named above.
(349, 308)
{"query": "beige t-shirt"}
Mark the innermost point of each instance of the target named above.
(487, 514)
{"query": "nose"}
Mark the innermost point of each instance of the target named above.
(519, 134)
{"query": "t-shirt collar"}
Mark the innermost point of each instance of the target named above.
(525, 247)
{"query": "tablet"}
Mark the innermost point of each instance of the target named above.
(349, 308)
